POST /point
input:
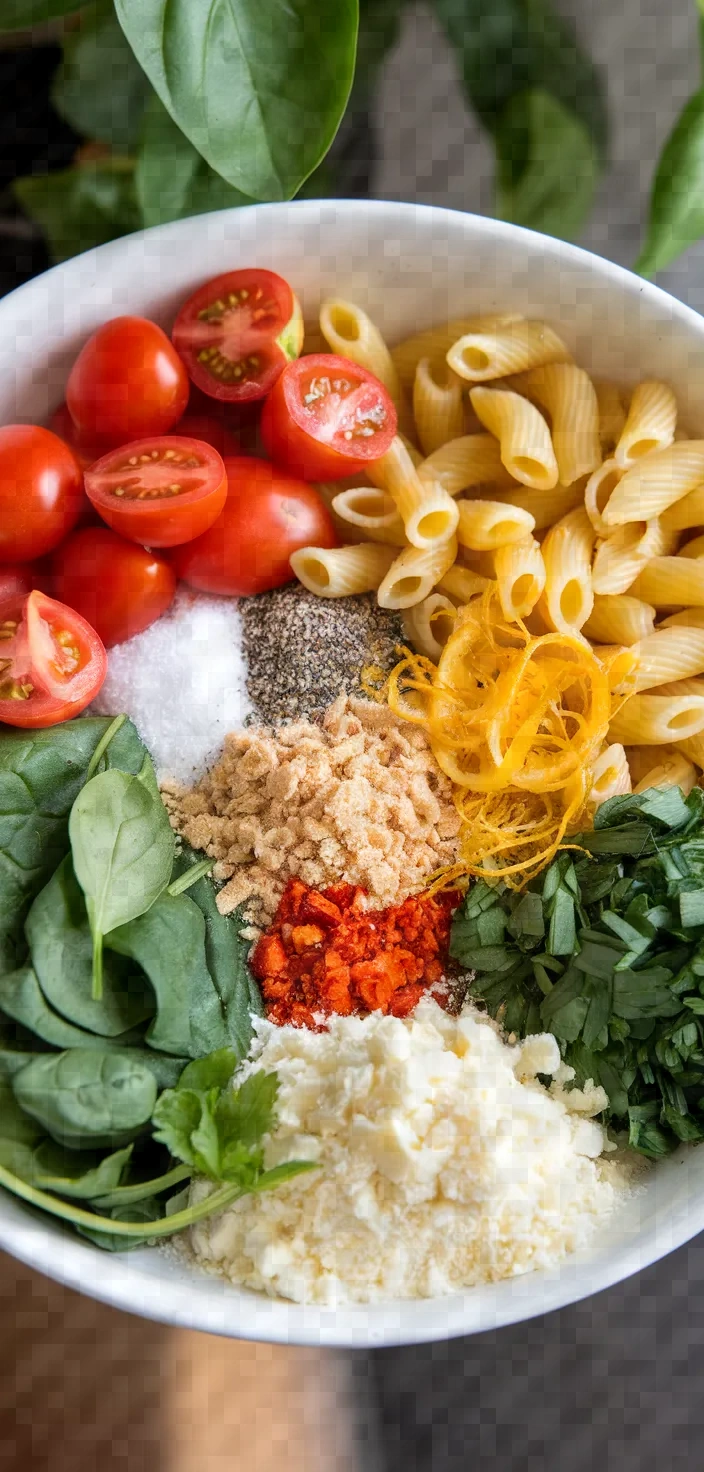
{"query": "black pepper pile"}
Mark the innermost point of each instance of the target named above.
(303, 651)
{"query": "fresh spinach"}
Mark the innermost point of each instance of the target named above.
(22, 998)
(80, 1175)
(123, 850)
(86, 1098)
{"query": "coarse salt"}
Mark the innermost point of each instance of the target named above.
(183, 683)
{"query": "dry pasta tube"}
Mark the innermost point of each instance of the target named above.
(650, 425)
(429, 624)
(611, 776)
(429, 515)
(349, 331)
(620, 664)
(484, 525)
(624, 554)
(690, 618)
(642, 758)
(434, 342)
(567, 393)
(687, 512)
(650, 719)
(414, 573)
(339, 572)
(655, 483)
(612, 415)
(668, 581)
(617, 617)
(546, 507)
(598, 491)
(469, 460)
(693, 748)
(481, 356)
(669, 654)
(567, 554)
(695, 548)
(526, 447)
(520, 574)
(670, 771)
(371, 512)
(438, 410)
(461, 583)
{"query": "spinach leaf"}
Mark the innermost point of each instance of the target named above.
(12, 1059)
(123, 850)
(100, 88)
(62, 952)
(259, 86)
(19, 15)
(19, 1135)
(22, 998)
(676, 217)
(149, 1210)
(129, 1195)
(84, 1097)
(41, 774)
(547, 166)
(81, 207)
(78, 1174)
(171, 178)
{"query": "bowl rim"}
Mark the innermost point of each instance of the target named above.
(122, 1281)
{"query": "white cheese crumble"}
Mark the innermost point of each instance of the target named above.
(444, 1163)
(183, 682)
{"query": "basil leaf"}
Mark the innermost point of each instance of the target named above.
(123, 849)
(41, 774)
(259, 86)
(171, 178)
(676, 216)
(81, 207)
(100, 88)
(84, 1097)
(19, 15)
(548, 167)
(62, 949)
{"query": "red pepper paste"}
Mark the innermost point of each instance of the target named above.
(325, 952)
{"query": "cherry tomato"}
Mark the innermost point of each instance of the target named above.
(326, 418)
(127, 382)
(210, 430)
(86, 451)
(236, 333)
(115, 585)
(41, 491)
(267, 516)
(52, 663)
(16, 579)
(159, 491)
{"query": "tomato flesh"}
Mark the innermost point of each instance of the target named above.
(41, 491)
(267, 516)
(327, 418)
(159, 491)
(52, 663)
(127, 382)
(118, 587)
(237, 332)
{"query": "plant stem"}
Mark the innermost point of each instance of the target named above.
(127, 1195)
(191, 877)
(80, 1218)
(103, 745)
(97, 988)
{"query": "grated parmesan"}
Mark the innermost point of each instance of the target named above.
(444, 1163)
(183, 683)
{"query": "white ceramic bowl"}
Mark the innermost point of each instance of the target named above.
(410, 266)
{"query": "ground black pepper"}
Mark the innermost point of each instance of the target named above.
(303, 651)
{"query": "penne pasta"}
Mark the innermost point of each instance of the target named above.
(371, 511)
(461, 583)
(619, 619)
(470, 460)
(652, 718)
(655, 483)
(641, 759)
(340, 572)
(695, 548)
(349, 331)
(520, 573)
(693, 748)
(567, 393)
(669, 654)
(484, 525)
(673, 770)
(687, 512)
(567, 554)
(598, 491)
(624, 554)
(612, 415)
(620, 664)
(414, 574)
(546, 507)
(669, 581)
(611, 775)
(526, 447)
(650, 425)
(428, 514)
(428, 625)
(511, 348)
(438, 410)
(435, 342)
(689, 617)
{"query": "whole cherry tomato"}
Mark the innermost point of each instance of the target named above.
(118, 587)
(267, 516)
(237, 332)
(127, 382)
(52, 662)
(159, 491)
(327, 418)
(209, 429)
(41, 491)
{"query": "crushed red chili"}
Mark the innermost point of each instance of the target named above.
(325, 952)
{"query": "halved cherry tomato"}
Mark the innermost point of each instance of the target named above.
(326, 418)
(236, 333)
(126, 382)
(41, 491)
(210, 430)
(267, 516)
(52, 663)
(118, 587)
(160, 491)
